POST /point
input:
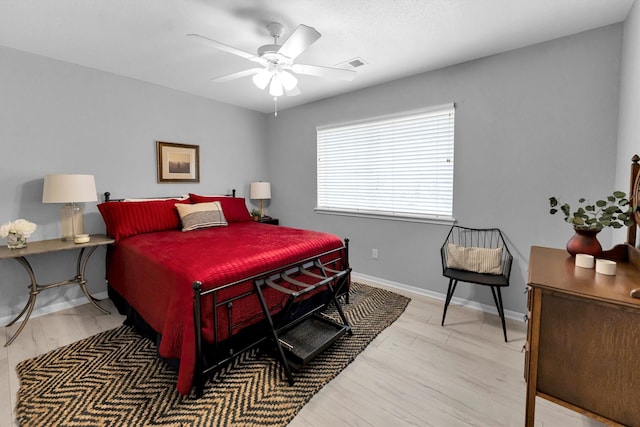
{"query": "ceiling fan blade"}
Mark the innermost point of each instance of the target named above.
(301, 38)
(293, 92)
(238, 75)
(315, 70)
(225, 48)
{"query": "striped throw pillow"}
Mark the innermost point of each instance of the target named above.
(201, 215)
(478, 260)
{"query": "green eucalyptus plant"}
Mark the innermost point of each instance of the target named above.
(614, 211)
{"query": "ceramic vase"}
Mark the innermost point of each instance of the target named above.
(584, 242)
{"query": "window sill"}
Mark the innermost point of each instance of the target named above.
(407, 218)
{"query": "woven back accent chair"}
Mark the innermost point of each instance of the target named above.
(479, 256)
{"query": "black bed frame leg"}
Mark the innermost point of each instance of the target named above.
(346, 266)
(198, 374)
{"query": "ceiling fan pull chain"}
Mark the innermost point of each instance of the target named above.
(275, 102)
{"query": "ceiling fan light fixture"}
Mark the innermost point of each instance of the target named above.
(288, 80)
(261, 78)
(275, 89)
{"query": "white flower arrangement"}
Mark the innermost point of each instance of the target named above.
(19, 226)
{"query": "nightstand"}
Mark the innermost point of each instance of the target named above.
(268, 220)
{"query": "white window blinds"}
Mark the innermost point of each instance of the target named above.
(399, 165)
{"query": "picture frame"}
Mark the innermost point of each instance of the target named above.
(177, 162)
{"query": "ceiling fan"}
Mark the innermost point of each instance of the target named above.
(277, 61)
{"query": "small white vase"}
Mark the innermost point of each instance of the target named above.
(16, 241)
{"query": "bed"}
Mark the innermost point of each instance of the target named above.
(207, 283)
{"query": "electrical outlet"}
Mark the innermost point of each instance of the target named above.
(374, 253)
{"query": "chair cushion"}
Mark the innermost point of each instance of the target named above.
(478, 260)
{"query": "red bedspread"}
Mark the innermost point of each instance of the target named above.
(154, 272)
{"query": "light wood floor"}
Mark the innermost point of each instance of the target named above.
(414, 373)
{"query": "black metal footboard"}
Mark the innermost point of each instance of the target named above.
(328, 271)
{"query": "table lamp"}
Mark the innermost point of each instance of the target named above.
(260, 191)
(71, 190)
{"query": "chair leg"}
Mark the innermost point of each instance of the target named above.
(498, 300)
(450, 291)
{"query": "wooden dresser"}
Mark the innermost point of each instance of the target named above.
(583, 339)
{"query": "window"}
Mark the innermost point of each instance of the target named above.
(393, 166)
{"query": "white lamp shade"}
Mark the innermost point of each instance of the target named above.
(68, 188)
(260, 190)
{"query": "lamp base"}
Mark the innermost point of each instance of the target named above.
(71, 222)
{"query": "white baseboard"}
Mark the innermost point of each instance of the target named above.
(370, 280)
(52, 308)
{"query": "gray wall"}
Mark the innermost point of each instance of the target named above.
(61, 118)
(530, 123)
(629, 130)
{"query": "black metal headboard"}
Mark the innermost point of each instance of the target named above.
(107, 196)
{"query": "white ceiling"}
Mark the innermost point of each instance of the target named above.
(146, 39)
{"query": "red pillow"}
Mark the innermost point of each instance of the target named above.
(124, 219)
(234, 208)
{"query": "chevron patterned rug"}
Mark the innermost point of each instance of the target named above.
(115, 379)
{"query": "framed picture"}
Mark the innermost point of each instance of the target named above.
(178, 162)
